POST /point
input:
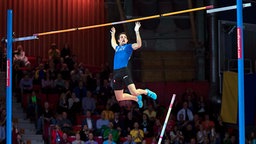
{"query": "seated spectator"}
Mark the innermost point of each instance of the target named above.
(128, 124)
(181, 122)
(129, 140)
(71, 61)
(59, 84)
(89, 103)
(89, 121)
(137, 133)
(56, 119)
(59, 65)
(67, 87)
(196, 121)
(108, 113)
(105, 91)
(40, 74)
(64, 139)
(200, 134)
(63, 103)
(113, 104)
(157, 128)
(189, 92)
(75, 75)
(16, 135)
(146, 126)
(26, 84)
(111, 130)
(186, 112)
(105, 71)
(65, 72)
(32, 107)
(201, 105)
(73, 101)
(153, 141)
(91, 139)
(109, 140)
(171, 123)
(176, 135)
(193, 140)
(19, 139)
(74, 107)
(207, 123)
(56, 135)
(81, 67)
(54, 53)
(65, 51)
(137, 114)
(191, 103)
(150, 112)
(78, 140)
(39, 60)
(100, 123)
(65, 124)
(51, 70)
(118, 123)
(227, 138)
(47, 84)
(45, 117)
(89, 80)
(98, 83)
(189, 132)
(84, 133)
(80, 90)
(20, 59)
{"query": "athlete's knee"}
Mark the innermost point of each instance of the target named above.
(118, 99)
(135, 93)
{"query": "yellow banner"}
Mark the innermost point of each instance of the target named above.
(229, 98)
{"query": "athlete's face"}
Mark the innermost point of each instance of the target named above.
(122, 39)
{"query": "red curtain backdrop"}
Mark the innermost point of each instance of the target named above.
(36, 16)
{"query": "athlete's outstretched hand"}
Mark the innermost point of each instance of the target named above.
(137, 26)
(113, 30)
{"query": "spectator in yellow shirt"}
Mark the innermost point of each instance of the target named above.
(109, 115)
(150, 112)
(137, 134)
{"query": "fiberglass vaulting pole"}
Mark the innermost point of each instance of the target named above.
(240, 57)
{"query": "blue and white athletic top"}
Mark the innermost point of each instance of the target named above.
(122, 56)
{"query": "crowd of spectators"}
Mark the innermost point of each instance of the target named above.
(78, 106)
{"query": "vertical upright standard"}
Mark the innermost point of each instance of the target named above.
(240, 58)
(9, 79)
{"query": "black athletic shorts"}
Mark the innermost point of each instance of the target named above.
(121, 77)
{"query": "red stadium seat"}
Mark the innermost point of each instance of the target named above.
(77, 128)
(79, 119)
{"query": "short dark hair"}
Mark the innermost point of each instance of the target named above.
(121, 34)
